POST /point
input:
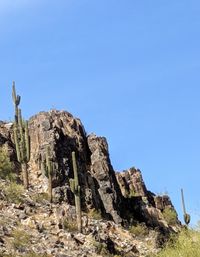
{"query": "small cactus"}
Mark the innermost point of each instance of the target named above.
(21, 138)
(75, 188)
(48, 167)
(186, 216)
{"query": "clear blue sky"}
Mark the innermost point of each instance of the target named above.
(129, 69)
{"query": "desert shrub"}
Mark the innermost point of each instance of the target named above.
(94, 214)
(40, 197)
(139, 229)
(101, 248)
(70, 225)
(21, 239)
(186, 244)
(13, 192)
(6, 167)
(170, 216)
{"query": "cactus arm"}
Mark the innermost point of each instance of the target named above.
(17, 145)
(72, 186)
(48, 166)
(27, 142)
(14, 96)
(186, 216)
(50, 181)
(78, 208)
(75, 185)
(183, 201)
(48, 162)
(22, 139)
(25, 174)
(75, 170)
(16, 100)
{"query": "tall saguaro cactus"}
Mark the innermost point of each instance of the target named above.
(16, 101)
(21, 138)
(186, 216)
(75, 188)
(48, 167)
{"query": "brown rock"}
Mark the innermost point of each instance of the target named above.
(121, 197)
(131, 183)
(103, 173)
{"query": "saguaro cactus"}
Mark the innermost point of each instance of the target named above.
(75, 188)
(186, 216)
(16, 101)
(21, 138)
(48, 168)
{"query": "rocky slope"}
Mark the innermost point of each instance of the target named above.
(120, 199)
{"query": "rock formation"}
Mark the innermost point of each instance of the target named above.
(121, 197)
(101, 187)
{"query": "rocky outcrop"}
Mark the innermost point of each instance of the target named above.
(102, 171)
(6, 141)
(146, 206)
(34, 227)
(64, 134)
(131, 183)
(121, 197)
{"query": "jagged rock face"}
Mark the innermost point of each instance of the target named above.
(131, 183)
(145, 206)
(7, 142)
(36, 226)
(64, 134)
(103, 173)
(162, 202)
(119, 196)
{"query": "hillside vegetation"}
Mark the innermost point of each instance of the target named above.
(60, 196)
(186, 244)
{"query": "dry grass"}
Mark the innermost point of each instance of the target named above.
(187, 244)
(139, 230)
(21, 239)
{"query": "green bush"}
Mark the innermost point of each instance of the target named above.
(101, 248)
(40, 197)
(6, 167)
(21, 239)
(70, 226)
(139, 229)
(13, 192)
(187, 244)
(170, 216)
